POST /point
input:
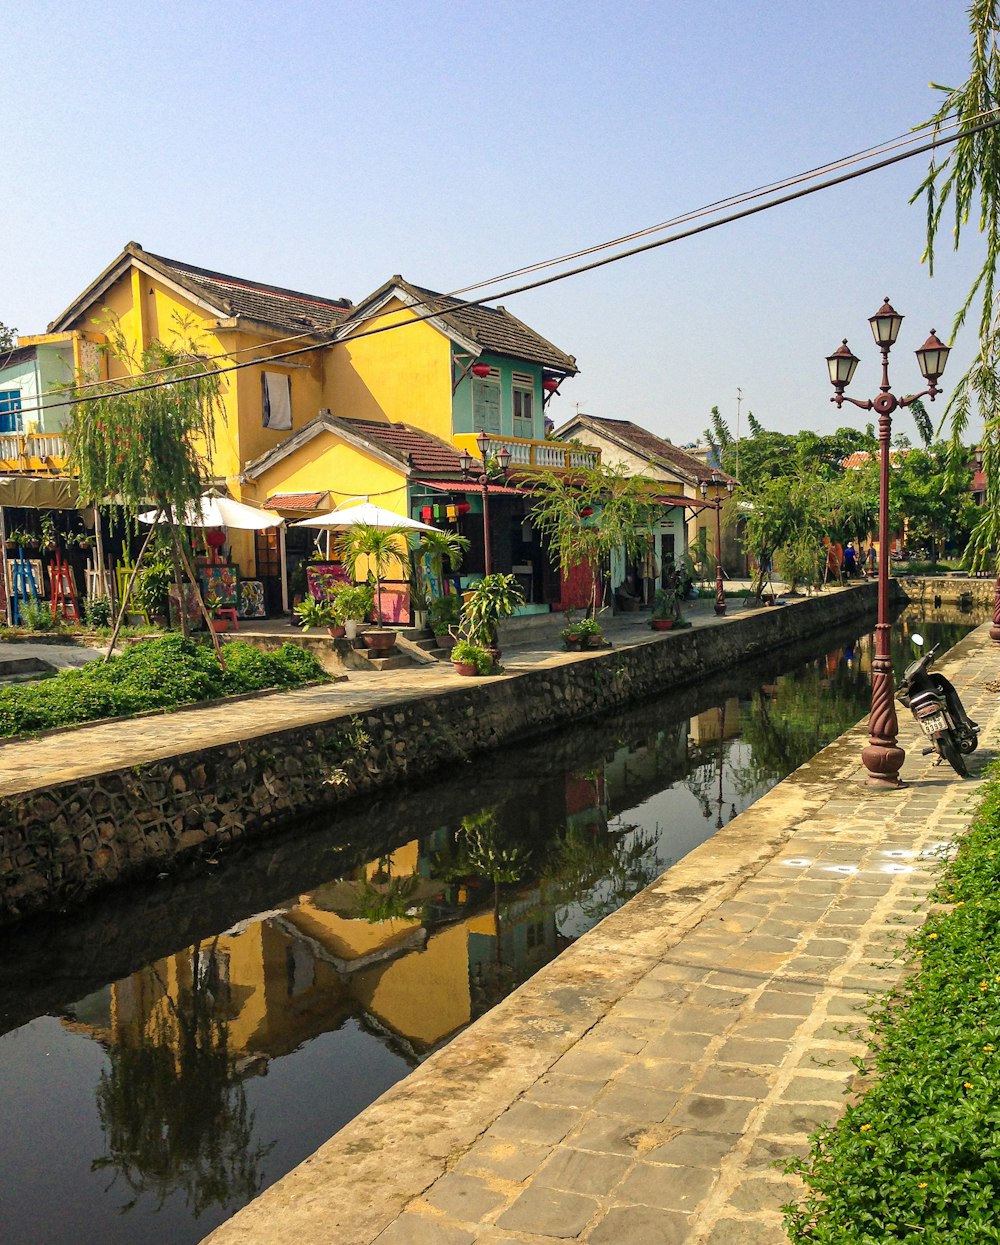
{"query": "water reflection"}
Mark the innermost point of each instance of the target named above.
(390, 929)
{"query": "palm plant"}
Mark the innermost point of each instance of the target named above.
(441, 547)
(382, 545)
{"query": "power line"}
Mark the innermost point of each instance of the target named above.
(347, 331)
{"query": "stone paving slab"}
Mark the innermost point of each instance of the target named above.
(641, 1088)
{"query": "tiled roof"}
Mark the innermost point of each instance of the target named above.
(423, 453)
(295, 501)
(859, 458)
(493, 329)
(17, 356)
(647, 445)
(270, 304)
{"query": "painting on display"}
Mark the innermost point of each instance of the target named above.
(220, 583)
(35, 566)
(251, 604)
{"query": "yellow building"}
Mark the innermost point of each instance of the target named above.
(324, 400)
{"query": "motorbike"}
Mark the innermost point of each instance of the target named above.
(933, 701)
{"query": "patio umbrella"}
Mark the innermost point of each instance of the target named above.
(222, 512)
(367, 512)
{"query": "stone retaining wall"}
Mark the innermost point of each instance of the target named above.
(62, 843)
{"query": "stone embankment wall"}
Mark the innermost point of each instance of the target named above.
(64, 842)
(974, 593)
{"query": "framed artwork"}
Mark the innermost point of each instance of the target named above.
(251, 603)
(221, 582)
(35, 566)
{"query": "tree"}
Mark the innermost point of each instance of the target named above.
(969, 177)
(383, 545)
(147, 446)
(8, 339)
(589, 514)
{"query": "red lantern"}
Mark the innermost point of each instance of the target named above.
(550, 384)
(215, 537)
(426, 514)
(463, 507)
(482, 370)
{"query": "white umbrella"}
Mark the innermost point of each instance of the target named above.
(367, 512)
(222, 512)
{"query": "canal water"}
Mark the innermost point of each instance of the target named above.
(167, 1054)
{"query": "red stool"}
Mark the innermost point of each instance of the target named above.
(229, 611)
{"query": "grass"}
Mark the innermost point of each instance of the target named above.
(161, 673)
(917, 1157)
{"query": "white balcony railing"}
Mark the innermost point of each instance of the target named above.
(32, 451)
(546, 455)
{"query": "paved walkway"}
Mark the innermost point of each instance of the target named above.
(27, 764)
(639, 1089)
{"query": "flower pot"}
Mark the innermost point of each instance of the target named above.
(351, 628)
(574, 645)
(219, 625)
(465, 668)
(661, 624)
(380, 641)
(594, 641)
(445, 639)
(336, 632)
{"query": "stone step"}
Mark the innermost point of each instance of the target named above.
(396, 662)
(23, 667)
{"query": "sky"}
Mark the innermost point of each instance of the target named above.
(326, 146)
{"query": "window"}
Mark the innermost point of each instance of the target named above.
(486, 402)
(524, 405)
(276, 400)
(10, 410)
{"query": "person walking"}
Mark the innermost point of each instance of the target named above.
(850, 560)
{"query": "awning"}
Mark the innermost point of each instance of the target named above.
(296, 501)
(464, 486)
(40, 492)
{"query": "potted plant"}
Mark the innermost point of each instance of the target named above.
(354, 603)
(666, 609)
(312, 613)
(591, 635)
(48, 526)
(487, 604)
(439, 548)
(445, 614)
(219, 624)
(470, 659)
(382, 546)
(572, 637)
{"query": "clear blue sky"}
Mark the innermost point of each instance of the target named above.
(326, 146)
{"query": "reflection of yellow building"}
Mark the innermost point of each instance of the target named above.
(705, 726)
(285, 979)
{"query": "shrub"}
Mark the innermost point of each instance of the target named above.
(98, 612)
(161, 673)
(472, 655)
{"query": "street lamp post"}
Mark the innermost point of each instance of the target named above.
(883, 757)
(484, 473)
(716, 480)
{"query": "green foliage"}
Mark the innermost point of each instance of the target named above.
(445, 613)
(153, 581)
(969, 176)
(147, 445)
(354, 601)
(472, 655)
(590, 514)
(161, 673)
(382, 545)
(666, 603)
(98, 612)
(37, 615)
(916, 1157)
(313, 613)
(8, 337)
(488, 603)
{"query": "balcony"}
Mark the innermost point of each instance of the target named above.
(536, 455)
(32, 453)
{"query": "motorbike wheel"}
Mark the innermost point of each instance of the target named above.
(945, 745)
